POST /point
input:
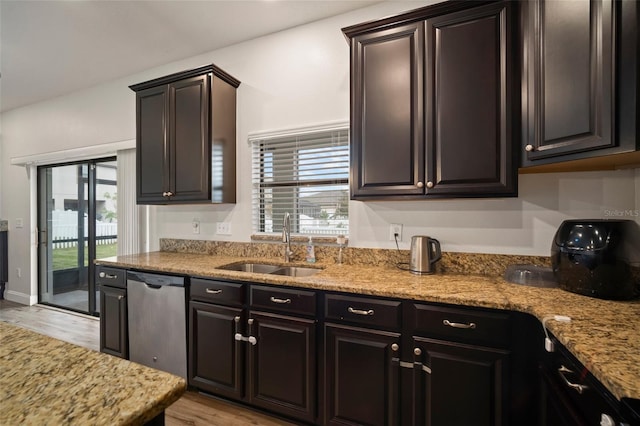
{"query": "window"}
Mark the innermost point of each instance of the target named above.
(304, 173)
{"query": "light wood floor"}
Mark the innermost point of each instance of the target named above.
(193, 409)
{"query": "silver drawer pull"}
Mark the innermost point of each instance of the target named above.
(109, 276)
(577, 387)
(275, 300)
(471, 325)
(360, 312)
(213, 290)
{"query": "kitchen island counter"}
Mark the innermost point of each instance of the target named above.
(48, 381)
(603, 334)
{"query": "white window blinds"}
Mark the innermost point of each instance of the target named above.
(305, 173)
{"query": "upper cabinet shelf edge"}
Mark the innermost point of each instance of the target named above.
(218, 72)
(411, 16)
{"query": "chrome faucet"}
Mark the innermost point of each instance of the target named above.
(286, 236)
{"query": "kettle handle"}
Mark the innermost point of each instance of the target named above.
(435, 245)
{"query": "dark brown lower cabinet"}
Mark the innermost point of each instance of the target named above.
(282, 365)
(467, 384)
(361, 376)
(114, 338)
(216, 358)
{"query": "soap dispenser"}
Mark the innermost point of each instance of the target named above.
(311, 255)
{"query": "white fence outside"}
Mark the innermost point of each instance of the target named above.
(64, 230)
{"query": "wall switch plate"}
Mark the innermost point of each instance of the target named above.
(195, 226)
(19, 223)
(395, 228)
(223, 228)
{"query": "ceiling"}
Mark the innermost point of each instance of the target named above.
(49, 48)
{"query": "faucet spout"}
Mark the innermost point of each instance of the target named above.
(286, 236)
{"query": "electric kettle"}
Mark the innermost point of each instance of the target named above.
(425, 252)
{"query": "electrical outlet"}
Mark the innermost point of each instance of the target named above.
(395, 228)
(195, 225)
(223, 228)
(19, 223)
(19, 272)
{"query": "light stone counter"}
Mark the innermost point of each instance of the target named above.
(4, 225)
(603, 335)
(48, 381)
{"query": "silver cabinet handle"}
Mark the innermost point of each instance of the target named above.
(169, 194)
(420, 184)
(429, 184)
(471, 325)
(395, 347)
(120, 297)
(109, 276)
(360, 312)
(528, 148)
(213, 290)
(276, 300)
(576, 386)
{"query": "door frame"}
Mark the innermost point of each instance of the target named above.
(92, 181)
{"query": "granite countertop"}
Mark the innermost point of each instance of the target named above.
(603, 335)
(48, 381)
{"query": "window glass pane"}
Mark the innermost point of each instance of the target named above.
(305, 174)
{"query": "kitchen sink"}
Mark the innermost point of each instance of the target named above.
(262, 268)
(296, 271)
(258, 268)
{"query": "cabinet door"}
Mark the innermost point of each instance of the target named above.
(215, 357)
(114, 338)
(469, 132)
(568, 95)
(361, 376)
(282, 365)
(386, 112)
(190, 150)
(152, 146)
(467, 384)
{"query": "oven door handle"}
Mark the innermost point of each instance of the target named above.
(579, 388)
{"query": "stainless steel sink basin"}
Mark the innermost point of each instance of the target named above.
(262, 268)
(296, 271)
(258, 268)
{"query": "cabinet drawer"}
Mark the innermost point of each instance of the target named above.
(113, 277)
(364, 310)
(220, 292)
(283, 300)
(461, 325)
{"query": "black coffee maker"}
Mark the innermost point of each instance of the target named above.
(598, 258)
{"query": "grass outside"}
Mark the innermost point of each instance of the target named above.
(67, 258)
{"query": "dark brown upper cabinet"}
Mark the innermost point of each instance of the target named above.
(579, 79)
(186, 137)
(431, 103)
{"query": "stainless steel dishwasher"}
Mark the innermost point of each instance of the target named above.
(157, 322)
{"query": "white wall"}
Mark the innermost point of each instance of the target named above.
(290, 79)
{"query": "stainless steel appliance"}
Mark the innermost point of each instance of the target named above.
(157, 322)
(598, 258)
(425, 252)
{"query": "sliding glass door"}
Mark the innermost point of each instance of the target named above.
(77, 223)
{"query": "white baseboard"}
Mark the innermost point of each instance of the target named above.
(22, 298)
